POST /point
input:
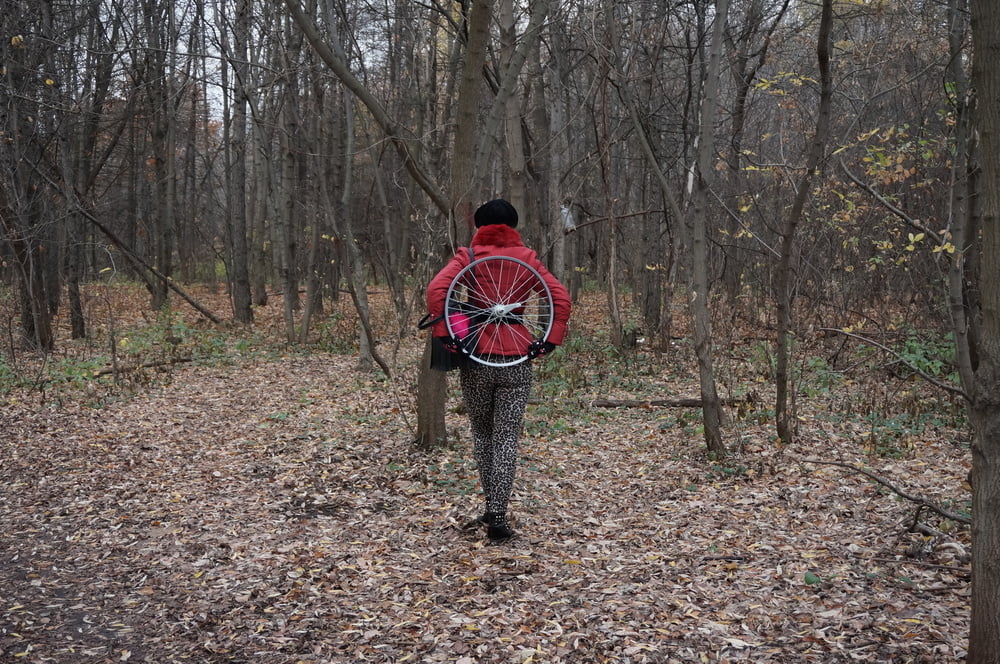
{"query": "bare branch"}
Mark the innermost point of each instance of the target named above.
(948, 387)
(887, 204)
(923, 502)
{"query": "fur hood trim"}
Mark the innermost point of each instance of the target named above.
(497, 235)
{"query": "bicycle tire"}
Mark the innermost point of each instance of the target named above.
(498, 303)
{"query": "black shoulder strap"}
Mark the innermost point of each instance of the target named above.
(472, 259)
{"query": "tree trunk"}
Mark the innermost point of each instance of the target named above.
(604, 147)
(311, 274)
(236, 163)
(700, 296)
(545, 192)
(784, 415)
(964, 217)
(554, 96)
(343, 223)
(21, 194)
(464, 183)
(356, 264)
(516, 164)
(432, 386)
(984, 633)
(160, 37)
(289, 208)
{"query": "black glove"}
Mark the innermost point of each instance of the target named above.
(539, 348)
(451, 344)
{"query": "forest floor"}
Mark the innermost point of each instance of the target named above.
(270, 507)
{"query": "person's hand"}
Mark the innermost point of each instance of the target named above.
(539, 348)
(451, 344)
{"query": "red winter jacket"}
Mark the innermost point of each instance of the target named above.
(500, 240)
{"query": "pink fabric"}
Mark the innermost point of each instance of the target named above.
(459, 325)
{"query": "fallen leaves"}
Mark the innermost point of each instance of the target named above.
(275, 511)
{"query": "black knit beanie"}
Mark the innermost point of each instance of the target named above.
(496, 211)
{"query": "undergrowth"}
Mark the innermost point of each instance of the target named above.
(842, 382)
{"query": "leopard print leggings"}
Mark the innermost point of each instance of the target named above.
(496, 398)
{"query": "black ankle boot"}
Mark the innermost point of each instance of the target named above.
(497, 528)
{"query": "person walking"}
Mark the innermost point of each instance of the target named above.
(496, 396)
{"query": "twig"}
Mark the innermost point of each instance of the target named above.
(961, 518)
(608, 218)
(919, 563)
(907, 219)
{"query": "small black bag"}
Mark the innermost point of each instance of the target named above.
(443, 359)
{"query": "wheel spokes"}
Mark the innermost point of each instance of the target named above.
(506, 304)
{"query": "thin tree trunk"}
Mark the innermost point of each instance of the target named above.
(784, 414)
(554, 97)
(359, 291)
(963, 214)
(432, 388)
(72, 164)
(700, 296)
(343, 224)
(236, 162)
(160, 34)
(667, 266)
(352, 253)
(604, 146)
(516, 164)
(464, 180)
(544, 192)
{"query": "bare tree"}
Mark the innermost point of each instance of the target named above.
(432, 385)
(984, 634)
(235, 49)
(159, 79)
(784, 415)
(23, 189)
(700, 295)
(964, 223)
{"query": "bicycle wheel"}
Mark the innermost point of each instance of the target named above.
(498, 305)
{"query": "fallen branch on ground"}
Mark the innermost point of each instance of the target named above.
(135, 367)
(659, 403)
(923, 502)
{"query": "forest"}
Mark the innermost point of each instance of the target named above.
(772, 435)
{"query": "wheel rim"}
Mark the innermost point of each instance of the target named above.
(498, 302)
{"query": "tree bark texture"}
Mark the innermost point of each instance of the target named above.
(699, 299)
(984, 633)
(236, 168)
(21, 195)
(783, 411)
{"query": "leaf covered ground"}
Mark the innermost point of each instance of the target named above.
(271, 508)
